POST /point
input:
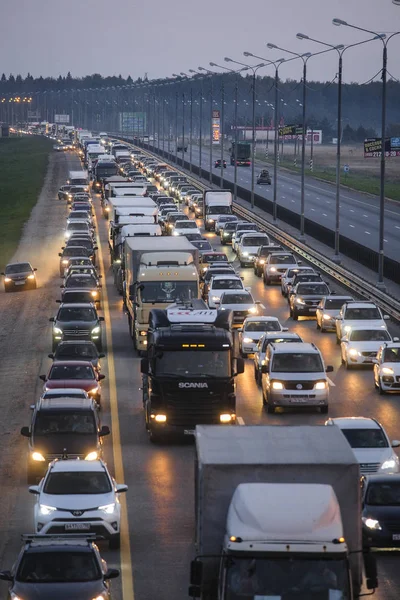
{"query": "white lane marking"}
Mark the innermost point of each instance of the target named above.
(365, 216)
(293, 200)
(318, 198)
(352, 226)
(290, 188)
(384, 240)
(331, 382)
(283, 197)
(351, 210)
(324, 215)
(240, 420)
(397, 227)
(328, 201)
(313, 209)
(367, 232)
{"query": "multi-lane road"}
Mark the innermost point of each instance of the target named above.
(359, 213)
(158, 520)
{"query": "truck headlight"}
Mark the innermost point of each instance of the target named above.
(320, 385)
(92, 455)
(371, 523)
(108, 508)
(227, 418)
(159, 418)
(94, 390)
(388, 464)
(277, 385)
(36, 456)
(46, 510)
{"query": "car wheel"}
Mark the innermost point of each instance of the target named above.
(324, 409)
(255, 373)
(295, 315)
(270, 409)
(343, 360)
(338, 340)
(114, 542)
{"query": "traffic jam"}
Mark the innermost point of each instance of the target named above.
(180, 257)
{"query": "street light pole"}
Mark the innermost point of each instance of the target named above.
(200, 123)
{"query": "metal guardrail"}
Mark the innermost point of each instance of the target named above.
(353, 282)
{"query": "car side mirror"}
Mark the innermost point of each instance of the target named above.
(386, 317)
(285, 328)
(34, 489)
(239, 366)
(42, 377)
(111, 574)
(62, 286)
(240, 329)
(101, 319)
(258, 301)
(121, 488)
(51, 355)
(395, 339)
(144, 366)
(395, 443)
(35, 269)
(25, 432)
(299, 262)
(101, 377)
(105, 430)
(59, 254)
(6, 576)
(329, 369)
(51, 319)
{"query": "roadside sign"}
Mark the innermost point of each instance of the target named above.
(373, 147)
(346, 168)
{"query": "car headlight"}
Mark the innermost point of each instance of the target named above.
(320, 385)
(371, 523)
(388, 464)
(252, 310)
(272, 269)
(46, 510)
(277, 385)
(353, 352)
(31, 276)
(227, 418)
(245, 253)
(261, 261)
(226, 234)
(159, 418)
(94, 293)
(94, 390)
(215, 298)
(327, 317)
(176, 233)
(57, 331)
(96, 329)
(92, 455)
(347, 328)
(387, 371)
(247, 340)
(210, 220)
(7, 279)
(36, 456)
(143, 333)
(108, 508)
(65, 262)
(300, 301)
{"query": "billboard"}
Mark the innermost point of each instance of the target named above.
(373, 147)
(64, 119)
(216, 127)
(132, 122)
(290, 130)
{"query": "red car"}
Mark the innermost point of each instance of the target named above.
(74, 374)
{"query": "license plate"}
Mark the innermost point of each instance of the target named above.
(396, 537)
(299, 400)
(19, 282)
(77, 526)
(189, 431)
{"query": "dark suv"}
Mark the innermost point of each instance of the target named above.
(63, 428)
(19, 276)
(59, 567)
(77, 322)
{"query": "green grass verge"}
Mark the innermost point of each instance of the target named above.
(23, 164)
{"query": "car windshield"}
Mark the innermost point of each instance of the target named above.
(372, 335)
(69, 483)
(47, 423)
(218, 210)
(386, 493)
(177, 217)
(87, 244)
(246, 227)
(263, 326)
(59, 372)
(75, 251)
(255, 241)
(306, 277)
(80, 281)
(365, 438)
(227, 284)
(237, 299)
(358, 314)
(77, 227)
(230, 226)
(282, 259)
(299, 362)
(84, 262)
(77, 296)
(168, 291)
(76, 314)
(18, 268)
(211, 272)
(310, 289)
(78, 214)
(186, 225)
(58, 567)
(334, 303)
(199, 364)
(210, 258)
(391, 355)
(76, 351)
(202, 245)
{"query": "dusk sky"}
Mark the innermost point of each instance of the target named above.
(52, 37)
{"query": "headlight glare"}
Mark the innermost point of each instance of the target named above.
(108, 508)
(388, 464)
(38, 457)
(46, 510)
(371, 523)
(92, 455)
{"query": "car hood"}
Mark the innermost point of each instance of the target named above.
(386, 514)
(298, 376)
(249, 249)
(238, 306)
(22, 275)
(72, 443)
(254, 335)
(70, 325)
(391, 365)
(373, 455)
(77, 501)
(82, 384)
(62, 591)
(282, 265)
(310, 296)
(367, 346)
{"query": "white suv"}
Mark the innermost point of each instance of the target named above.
(248, 246)
(370, 444)
(276, 265)
(294, 374)
(387, 368)
(358, 314)
(78, 496)
(220, 284)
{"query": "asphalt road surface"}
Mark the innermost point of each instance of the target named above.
(359, 213)
(158, 513)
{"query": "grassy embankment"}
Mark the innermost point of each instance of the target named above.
(23, 164)
(361, 181)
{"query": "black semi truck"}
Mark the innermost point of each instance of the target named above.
(189, 373)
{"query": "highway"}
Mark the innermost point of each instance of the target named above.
(359, 213)
(158, 518)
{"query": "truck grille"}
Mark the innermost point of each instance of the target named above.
(184, 412)
(294, 385)
(367, 468)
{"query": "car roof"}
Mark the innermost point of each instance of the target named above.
(65, 466)
(77, 305)
(75, 342)
(281, 252)
(283, 334)
(74, 363)
(64, 393)
(61, 403)
(294, 347)
(367, 327)
(262, 318)
(227, 275)
(22, 262)
(361, 304)
(235, 292)
(336, 297)
(80, 275)
(355, 423)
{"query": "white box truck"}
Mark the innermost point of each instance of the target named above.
(278, 514)
(215, 203)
